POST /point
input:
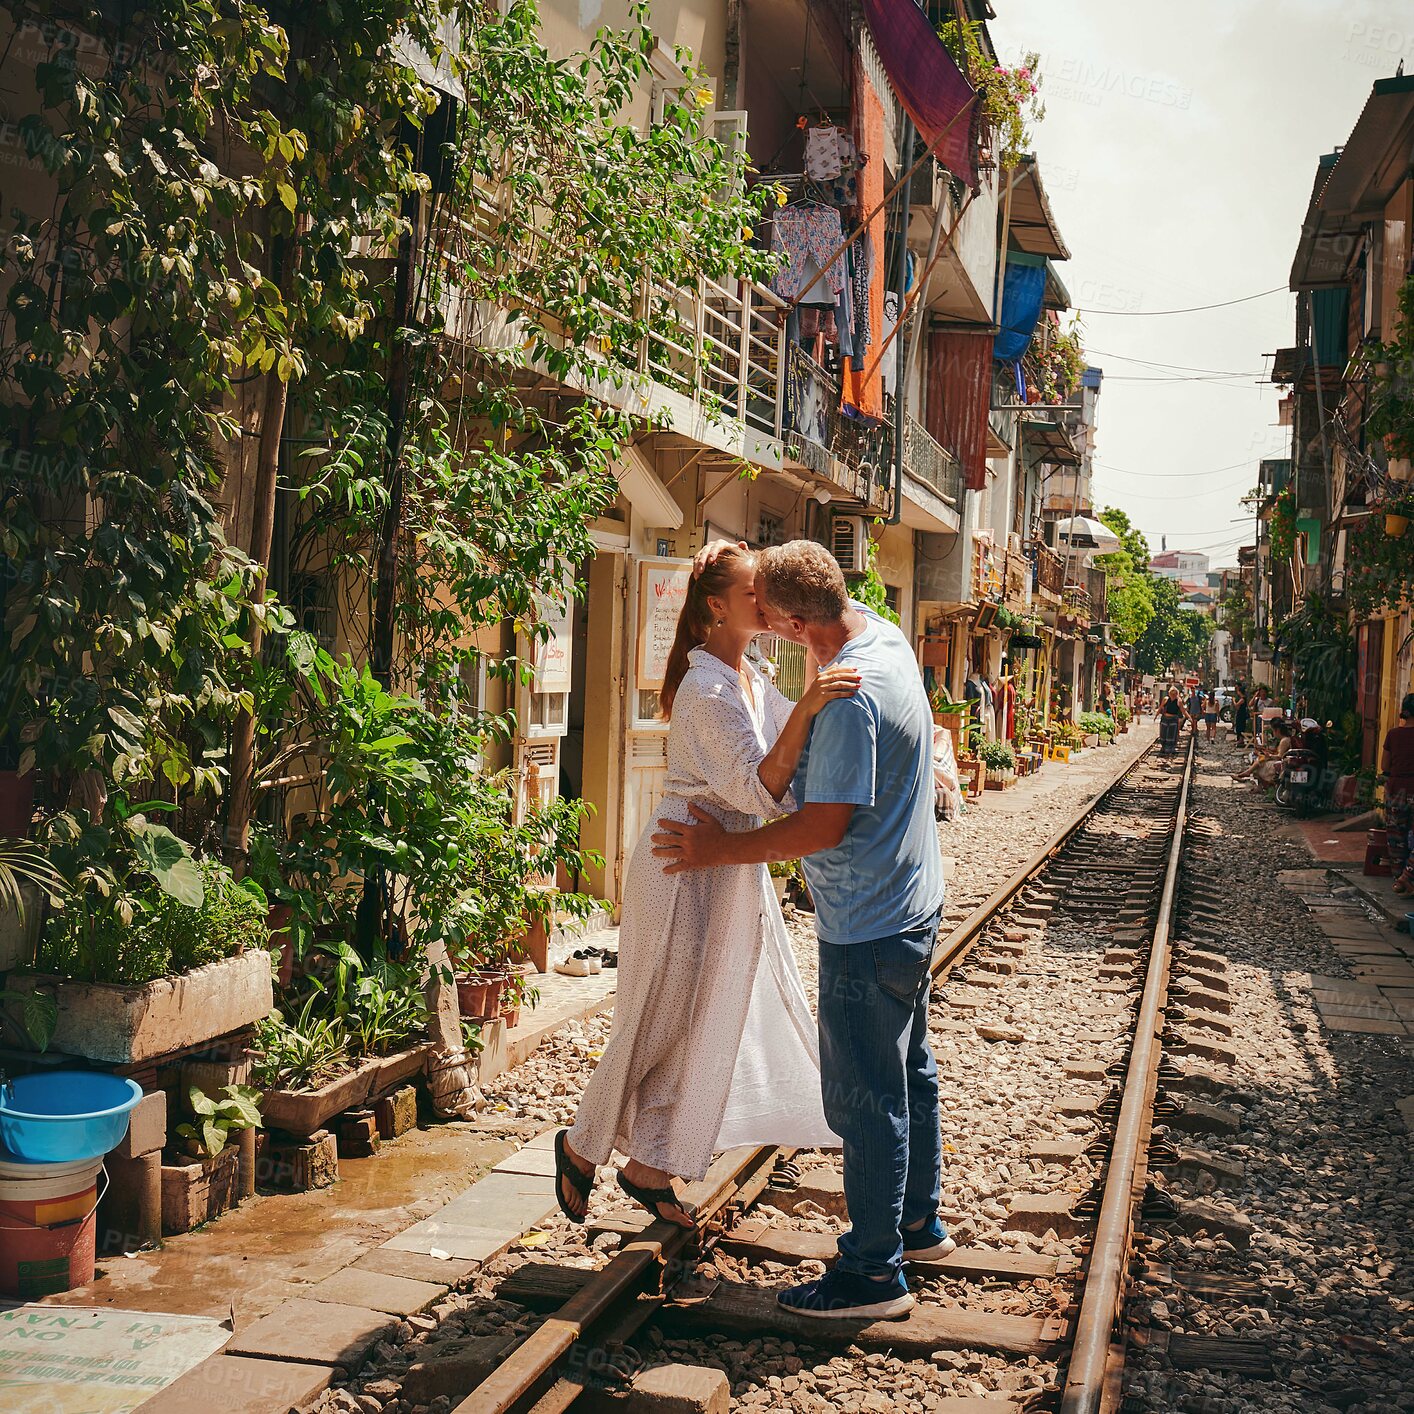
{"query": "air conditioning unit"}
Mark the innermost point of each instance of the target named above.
(849, 543)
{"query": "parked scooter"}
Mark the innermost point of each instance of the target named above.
(1302, 783)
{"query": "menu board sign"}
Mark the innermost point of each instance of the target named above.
(552, 654)
(662, 591)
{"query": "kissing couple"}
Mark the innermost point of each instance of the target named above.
(713, 1044)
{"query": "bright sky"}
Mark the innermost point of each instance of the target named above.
(1178, 151)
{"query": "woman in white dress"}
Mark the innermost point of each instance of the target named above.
(713, 1042)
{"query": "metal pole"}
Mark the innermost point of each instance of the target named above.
(901, 280)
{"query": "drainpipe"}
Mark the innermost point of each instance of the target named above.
(900, 394)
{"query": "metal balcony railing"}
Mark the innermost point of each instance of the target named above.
(928, 461)
(1050, 573)
(719, 342)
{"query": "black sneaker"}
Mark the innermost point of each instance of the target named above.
(842, 1296)
(929, 1243)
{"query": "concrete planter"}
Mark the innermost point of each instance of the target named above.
(125, 1025)
(20, 936)
(303, 1112)
(200, 1190)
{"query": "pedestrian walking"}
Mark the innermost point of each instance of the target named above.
(1195, 708)
(1241, 715)
(1170, 723)
(1397, 760)
(878, 889)
(1210, 715)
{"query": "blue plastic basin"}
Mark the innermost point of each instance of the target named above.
(64, 1115)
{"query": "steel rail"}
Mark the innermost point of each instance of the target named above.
(661, 1243)
(1109, 1253)
(960, 940)
(737, 1176)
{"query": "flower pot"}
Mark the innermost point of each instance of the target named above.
(479, 993)
(781, 886)
(511, 1016)
(1395, 525)
(16, 804)
(194, 1191)
(301, 1112)
(1092, 739)
(125, 1025)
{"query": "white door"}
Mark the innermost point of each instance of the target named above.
(542, 707)
(659, 587)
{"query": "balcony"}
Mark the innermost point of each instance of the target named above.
(1017, 579)
(988, 570)
(1077, 609)
(709, 362)
(930, 464)
(1050, 575)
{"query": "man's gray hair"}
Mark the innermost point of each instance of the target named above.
(803, 581)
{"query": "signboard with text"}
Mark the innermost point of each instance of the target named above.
(662, 591)
(553, 654)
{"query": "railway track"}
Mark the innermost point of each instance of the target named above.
(1113, 872)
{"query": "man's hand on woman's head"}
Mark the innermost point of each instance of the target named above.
(711, 550)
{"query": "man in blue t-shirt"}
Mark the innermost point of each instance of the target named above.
(867, 840)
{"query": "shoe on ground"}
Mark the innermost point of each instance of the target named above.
(929, 1243)
(575, 965)
(843, 1296)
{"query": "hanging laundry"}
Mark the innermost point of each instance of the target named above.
(822, 154)
(861, 269)
(862, 392)
(809, 236)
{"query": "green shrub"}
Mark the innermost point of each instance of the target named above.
(153, 935)
(997, 755)
(231, 920)
(1096, 724)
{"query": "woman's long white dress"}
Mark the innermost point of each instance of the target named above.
(713, 1043)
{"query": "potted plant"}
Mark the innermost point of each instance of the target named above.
(1096, 727)
(151, 951)
(782, 871)
(1000, 762)
(203, 1182)
(1397, 510)
(352, 1029)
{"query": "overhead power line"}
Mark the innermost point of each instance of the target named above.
(1186, 475)
(1182, 367)
(1191, 309)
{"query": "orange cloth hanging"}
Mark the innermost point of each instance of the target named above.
(864, 392)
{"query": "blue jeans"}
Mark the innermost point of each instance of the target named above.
(880, 1085)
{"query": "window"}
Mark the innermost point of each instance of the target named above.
(770, 529)
(891, 598)
(311, 607)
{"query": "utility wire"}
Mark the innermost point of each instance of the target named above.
(1156, 475)
(1182, 367)
(1191, 309)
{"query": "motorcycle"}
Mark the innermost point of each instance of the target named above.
(1303, 772)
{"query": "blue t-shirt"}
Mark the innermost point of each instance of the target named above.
(875, 751)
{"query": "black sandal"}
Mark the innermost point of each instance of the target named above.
(581, 1182)
(650, 1198)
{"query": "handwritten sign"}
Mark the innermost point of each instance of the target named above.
(662, 591)
(553, 654)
